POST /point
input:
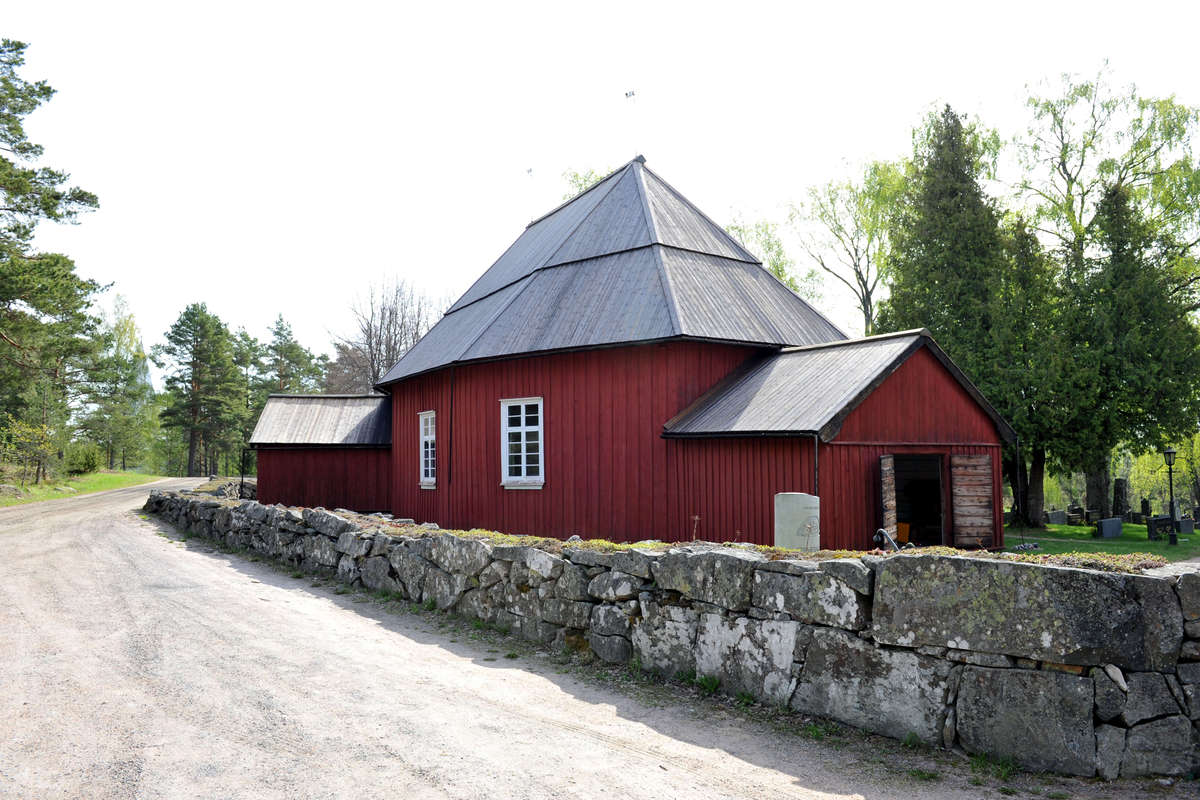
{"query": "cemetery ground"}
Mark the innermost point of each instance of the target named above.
(13, 493)
(1055, 539)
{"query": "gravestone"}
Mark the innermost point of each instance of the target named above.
(1120, 497)
(1146, 513)
(1187, 526)
(1109, 528)
(1057, 517)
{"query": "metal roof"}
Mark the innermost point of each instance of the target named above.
(628, 260)
(324, 419)
(809, 390)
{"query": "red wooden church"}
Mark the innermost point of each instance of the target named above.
(627, 370)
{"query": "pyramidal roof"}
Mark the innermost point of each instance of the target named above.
(629, 260)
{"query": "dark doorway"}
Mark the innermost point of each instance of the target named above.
(919, 498)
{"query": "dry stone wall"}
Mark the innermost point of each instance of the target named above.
(1065, 670)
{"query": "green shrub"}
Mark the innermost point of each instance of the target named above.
(708, 684)
(82, 458)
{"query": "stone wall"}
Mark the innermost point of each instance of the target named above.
(1065, 670)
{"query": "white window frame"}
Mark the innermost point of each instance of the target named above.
(523, 481)
(427, 437)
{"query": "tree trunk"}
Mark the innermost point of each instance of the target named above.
(193, 447)
(1035, 489)
(1098, 494)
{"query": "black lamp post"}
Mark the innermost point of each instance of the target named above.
(1169, 457)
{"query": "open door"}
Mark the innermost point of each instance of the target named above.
(971, 485)
(887, 494)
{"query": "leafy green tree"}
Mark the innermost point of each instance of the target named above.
(46, 328)
(1135, 340)
(290, 367)
(579, 182)
(845, 229)
(762, 239)
(118, 391)
(202, 384)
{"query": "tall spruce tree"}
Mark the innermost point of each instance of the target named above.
(290, 366)
(947, 250)
(1135, 342)
(202, 383)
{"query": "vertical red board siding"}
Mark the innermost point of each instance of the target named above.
(607, 467)
(610, 474)
(354, 478)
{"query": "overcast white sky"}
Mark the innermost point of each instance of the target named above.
(280, 157)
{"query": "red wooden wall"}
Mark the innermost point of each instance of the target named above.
(610, 474)
(606, 463)
(354, 478)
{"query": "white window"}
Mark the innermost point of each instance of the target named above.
(428, 426)
(521, 442)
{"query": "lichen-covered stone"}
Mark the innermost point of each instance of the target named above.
(1188, 588)
(410, 569)
(1149, 697)
(509, 552)
(1042, 720)
(892, 692)
(459, 555)
(790, 566)
(614, 585)
(634, 562)
(851, 571)
(353, 545)
(665, 640)
(813, 597)
(320, 550)
(572, 583)
(545, 565)
(324, 522)
(347, 569)
(1161, 747)
(1188, 673)
(613, 649)
(747, 655)
(522, 603)
(719, 576)
(1110, 747)
(1109, 697)
(610, 621)
(444, 588)
(980, 659)
(569, 613)
(376, 574)
(493, 573)
(1028, 610)
(588, 558)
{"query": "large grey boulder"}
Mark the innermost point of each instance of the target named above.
(546, 566)
(322, 521)
(747, 655)
(1110, 748)
(1188, 588)
(813, 597)
(1149, 697)
(720, 576)
(321, 551)
(376, 574)
(1066, 616)
(613, 649)
(460, 556)
(572, 583)
(610, 621)
(665, 640)
(1109, 697)
(410, 570)
(851, 571)
(568, 613)
(350, 543)
(444, 588)
(892, 692)
(634, 562)
(1161, 747)
(1040, 719)
(347, 569)
(613, 585)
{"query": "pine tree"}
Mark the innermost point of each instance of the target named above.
(202, 383)
(291, 367)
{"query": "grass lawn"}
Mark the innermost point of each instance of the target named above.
(84, 484)
(1079, 539)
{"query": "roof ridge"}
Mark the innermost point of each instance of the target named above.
(924, 332)
(299, 396)
(550, 258)
(573, 198)
(750, 257)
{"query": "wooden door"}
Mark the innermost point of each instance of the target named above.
(971, 498)
(887, 494)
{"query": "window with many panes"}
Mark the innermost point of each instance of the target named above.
(427, 420)
(522, 442)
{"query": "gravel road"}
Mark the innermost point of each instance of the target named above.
(133, 665)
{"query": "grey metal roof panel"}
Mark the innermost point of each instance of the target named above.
(538, 242)
(720, 298)
(330, 420)
(678, 223)
(453, 334)
(606, 300)
(800, 390)
(618, 222)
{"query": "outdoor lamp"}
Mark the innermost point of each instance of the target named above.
(1169, 458)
